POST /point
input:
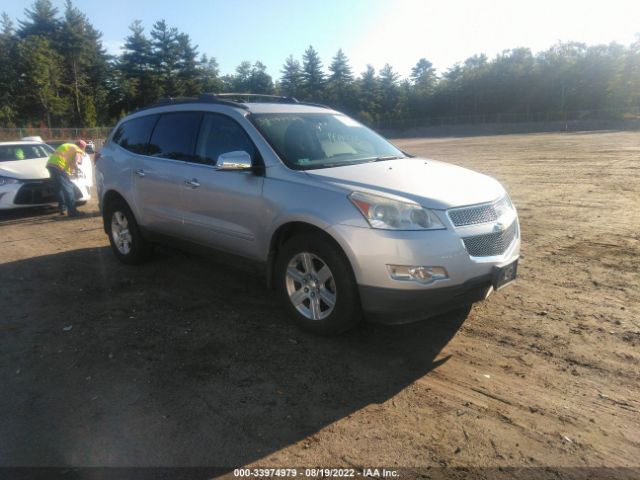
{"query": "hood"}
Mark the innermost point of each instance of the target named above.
(431, 183)
(25, 169)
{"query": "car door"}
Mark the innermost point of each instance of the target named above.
(223, 209)
(157, 173)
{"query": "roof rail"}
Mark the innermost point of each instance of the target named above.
(204, 98)
(256, 96)
(227, 99)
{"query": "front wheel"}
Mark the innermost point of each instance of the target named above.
(317, 286)
(124, 235)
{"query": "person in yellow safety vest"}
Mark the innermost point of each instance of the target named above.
(61, 165)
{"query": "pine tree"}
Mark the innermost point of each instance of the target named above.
(85, 65)
(42, 20)
(99, 71)
(209, 75)
(187, 66)
(312, 75)
(40, 73)
(340, 90)
(388, 78)
(369, 86)
(390, 104)
(341, 73)
(421, 88)
(259, 80)
(138, 79)
(89, 114)
(74, 46)
(423, 75)
(136, 57)
(291, 79)
(165, 56)
(228, 82)
(8, 73)
(240, 81)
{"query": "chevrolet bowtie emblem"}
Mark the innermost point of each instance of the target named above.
(498, 227)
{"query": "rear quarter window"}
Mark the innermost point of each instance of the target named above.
(133, 135)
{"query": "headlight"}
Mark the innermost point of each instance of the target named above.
(389, 214)
(8, 181)
(503, 206)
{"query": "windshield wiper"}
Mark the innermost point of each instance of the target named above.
(387, 157)
(352, 162)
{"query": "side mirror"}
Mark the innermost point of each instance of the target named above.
(239, 160)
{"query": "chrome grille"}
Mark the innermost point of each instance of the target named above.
(491, 244)
(489, 212)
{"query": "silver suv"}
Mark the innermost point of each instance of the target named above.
(347, 225)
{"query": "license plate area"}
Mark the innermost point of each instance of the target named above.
(503, 276)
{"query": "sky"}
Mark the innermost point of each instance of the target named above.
(375, 32)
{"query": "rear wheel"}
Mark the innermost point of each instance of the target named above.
(124, 235)
(317, 286)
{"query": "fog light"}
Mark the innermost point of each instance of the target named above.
(409, 273)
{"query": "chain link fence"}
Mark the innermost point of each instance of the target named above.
(98, 134)
(586, 116)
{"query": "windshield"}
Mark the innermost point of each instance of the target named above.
(321, 140)
(9, 153)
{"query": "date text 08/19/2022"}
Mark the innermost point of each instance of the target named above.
(315, 472)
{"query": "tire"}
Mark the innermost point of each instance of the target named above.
(124, 234)
(322, 301)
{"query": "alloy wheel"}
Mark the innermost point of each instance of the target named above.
(120, 232)
(311, 286)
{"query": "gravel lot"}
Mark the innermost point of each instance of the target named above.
(190, 361)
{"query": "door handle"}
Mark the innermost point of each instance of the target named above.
(192, 183)
(140, 173)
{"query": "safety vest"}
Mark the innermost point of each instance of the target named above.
(64, 157)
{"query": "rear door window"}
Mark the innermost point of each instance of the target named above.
(174, 136)
(10, 153)
(220, 134)
(133, 135)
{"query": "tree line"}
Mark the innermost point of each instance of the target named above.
(55, 72)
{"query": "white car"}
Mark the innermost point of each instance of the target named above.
(25, 180)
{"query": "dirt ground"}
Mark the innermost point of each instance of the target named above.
(190, 361)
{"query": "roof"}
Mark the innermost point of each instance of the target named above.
(22, 142)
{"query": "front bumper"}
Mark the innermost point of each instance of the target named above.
(392, 306)
(370, 251)
(37, 193)
(389, 300)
